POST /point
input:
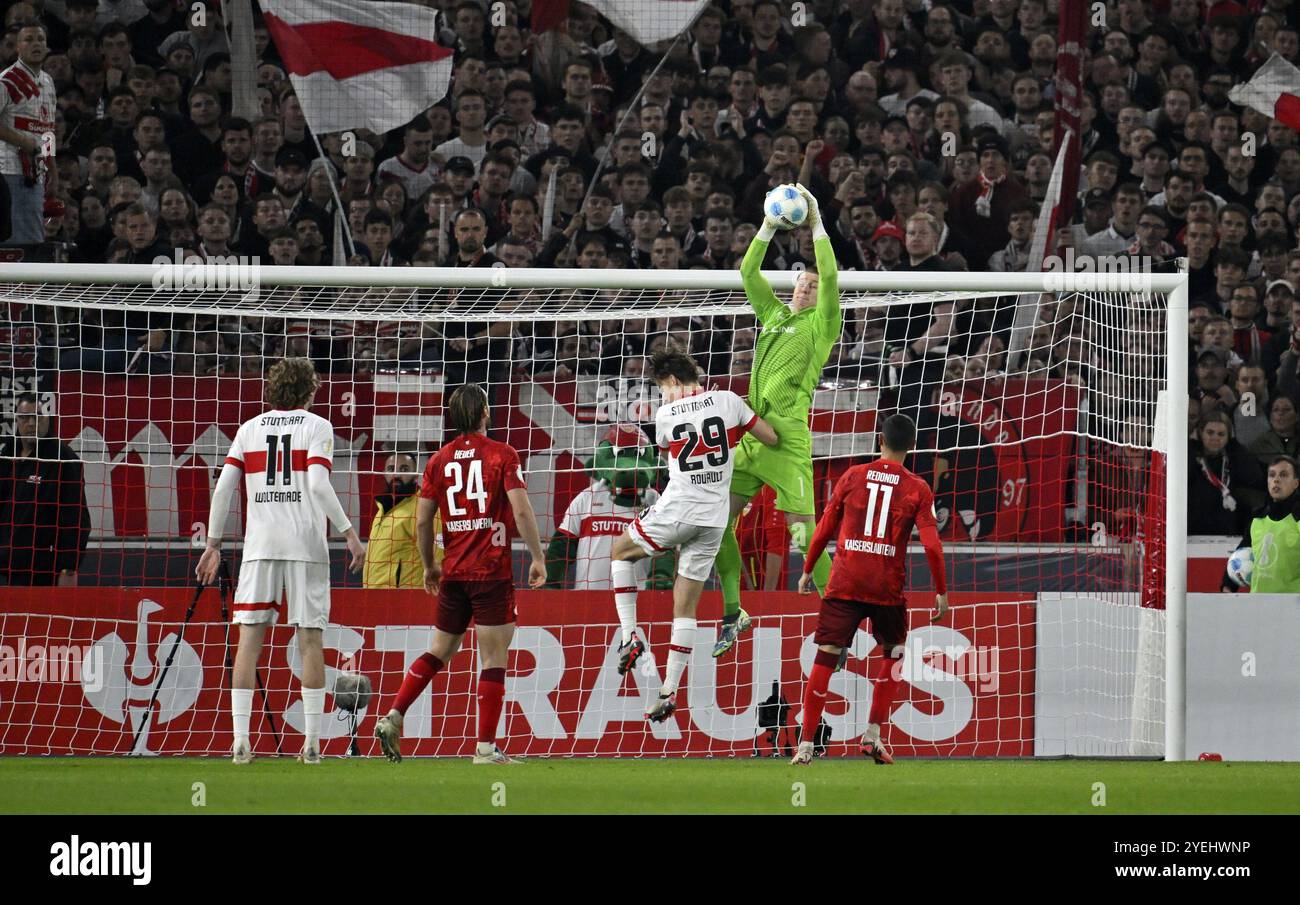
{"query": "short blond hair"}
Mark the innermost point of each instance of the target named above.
(923, 217)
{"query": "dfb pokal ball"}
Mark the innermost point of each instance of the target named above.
(1240, 565)
(786, 207)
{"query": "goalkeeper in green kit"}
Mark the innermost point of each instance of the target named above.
(791, 350)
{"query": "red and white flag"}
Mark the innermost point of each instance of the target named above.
(1050, 214)
(358, 64)
(1273, 90)
(647, 21)
(1050, 220)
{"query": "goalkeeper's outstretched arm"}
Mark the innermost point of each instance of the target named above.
(828, 274)
(757, 289)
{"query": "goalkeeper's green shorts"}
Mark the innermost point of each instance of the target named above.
(786, 467)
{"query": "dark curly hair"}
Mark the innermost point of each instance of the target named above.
(290, 383)
(671, 363)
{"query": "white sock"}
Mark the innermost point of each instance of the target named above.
(679, 654)
(623, 573)
(241, 708)
(313, 703)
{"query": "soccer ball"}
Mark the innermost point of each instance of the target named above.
(786, 206)
(1240, 565)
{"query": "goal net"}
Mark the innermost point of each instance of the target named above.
(1041, 421)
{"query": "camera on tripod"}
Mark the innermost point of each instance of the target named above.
(782, 739)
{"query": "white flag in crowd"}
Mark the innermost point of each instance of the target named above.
(359, 64)
(1273, 90)
(647, 21)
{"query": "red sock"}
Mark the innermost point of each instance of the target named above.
(884, 687)
(418, 677)
(814, 693)
(491, 691)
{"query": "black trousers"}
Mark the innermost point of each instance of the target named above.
(6, 218)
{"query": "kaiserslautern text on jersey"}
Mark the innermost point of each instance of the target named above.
(469, 479)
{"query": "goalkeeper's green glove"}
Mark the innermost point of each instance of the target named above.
(769, 228)
(814, 212)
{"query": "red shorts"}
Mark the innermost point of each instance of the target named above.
(839, 620)
(485, 602)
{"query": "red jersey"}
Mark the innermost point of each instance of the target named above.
(761, 532)
(871, 514)
(468, 479)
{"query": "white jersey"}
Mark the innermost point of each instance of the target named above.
(595, 519)
(274, 450)
(416, 182)
(699, 433)
(27, 104)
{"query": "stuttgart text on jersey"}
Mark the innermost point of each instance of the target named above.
(692, 405)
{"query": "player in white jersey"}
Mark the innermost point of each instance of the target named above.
(594, 519)
(284, 457)
(27, 109)
(698, 429)
(625, 467)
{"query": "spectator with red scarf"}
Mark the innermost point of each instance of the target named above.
(981, 209)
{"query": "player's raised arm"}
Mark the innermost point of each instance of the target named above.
(757, 289)
(526, 523)
(828, 274)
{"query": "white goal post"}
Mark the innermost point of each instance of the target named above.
(1153, 408)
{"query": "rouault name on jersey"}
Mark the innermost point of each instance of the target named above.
(278, 496)
(867, 546)
(883, 477)
(467, 524)
(281, 420)
(692, 405)
(707, 477)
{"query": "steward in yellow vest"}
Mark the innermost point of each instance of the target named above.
(392, 558)
(1273, 534)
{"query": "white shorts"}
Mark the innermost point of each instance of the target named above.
(697, 545)
(265, 583)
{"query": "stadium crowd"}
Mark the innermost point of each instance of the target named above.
(925, 129)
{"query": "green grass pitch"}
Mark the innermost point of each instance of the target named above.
(167, 785)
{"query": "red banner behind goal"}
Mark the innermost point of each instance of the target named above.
(77, 668)
(152, 446)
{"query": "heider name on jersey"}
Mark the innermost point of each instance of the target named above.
(469, 480)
